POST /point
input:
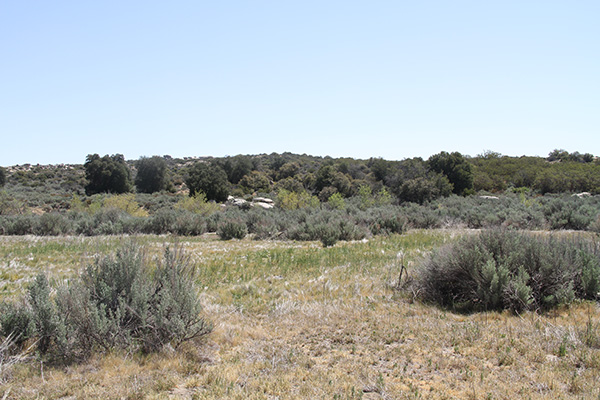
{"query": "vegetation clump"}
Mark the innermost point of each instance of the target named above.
(108, 174)
(151, 174)
(232, 228)
(500, 269)
(2, 177)
(209, 179)
(119, 302)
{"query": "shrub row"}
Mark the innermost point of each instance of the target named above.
(501, 269)
(353, 221)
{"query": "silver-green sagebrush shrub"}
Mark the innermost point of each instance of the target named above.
(16, 323)
(501, 269)
(232, 228)
(119, 302)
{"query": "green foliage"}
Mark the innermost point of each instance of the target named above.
(455, 167)
(336, 201)
(288, 170)
(232, 228)
(386, 220)
(264, 224)
(119, 302)
(571, 174)
(327, 226)
(328, 178)
(16, 321)
(256, 181)
(422, 189)
(77, 204)
(379, 168)
(365, 195)
(326, 233)
(287, 200)
(290, 184)
(209, 179)
(108, 174)
(151, 174)
(411, 180)
(367, 199)
(9, 205)
(503, 269)
(43, 311)
(563, 155)
(2, 177)
(53, 224)
(126, 203)
(163, 221)
(236, 167)
(383, 197)
(197, 204)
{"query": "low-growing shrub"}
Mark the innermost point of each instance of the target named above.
(500, 269)
(189, 224)
(386, 220)
(119, 302)
(16, 322)
(328, 227)
(263, 223)
(163, 221)
(326, 233)
(125, 202)
(197, 204)
(232, 228)
(20, 224)
(53, 224)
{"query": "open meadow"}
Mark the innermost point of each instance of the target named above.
(296, 320)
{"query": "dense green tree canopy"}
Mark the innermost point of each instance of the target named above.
(563, 155)
(2, 177)
(236, 167)
(564, 173)
(412, 180)
(108, 174)
(256, 181)
(456, 168)
(151, 174)
(379, 168)
(209, 179)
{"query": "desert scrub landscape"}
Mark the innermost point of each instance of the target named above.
(297, 320)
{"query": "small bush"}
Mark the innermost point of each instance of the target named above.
(386, 220)
(189, 224)
(119, 302)
(125, 202)
(262, 223)
(294, 200)
(16, 322)
(327, 234)
(43, 312)
(21, 225)
(197, 204)
(53, 224)
(510, 270)
(336, 201)
(232, 228)
(163, 221)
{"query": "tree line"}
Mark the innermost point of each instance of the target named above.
(410, 180)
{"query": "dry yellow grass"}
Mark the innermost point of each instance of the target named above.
(293, 320)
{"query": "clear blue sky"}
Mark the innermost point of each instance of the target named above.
(391, 79)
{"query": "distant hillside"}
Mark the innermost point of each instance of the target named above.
(409, 180)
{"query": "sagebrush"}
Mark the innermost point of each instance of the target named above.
(122, 301)
(501, 269)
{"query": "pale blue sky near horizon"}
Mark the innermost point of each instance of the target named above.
(391, 79)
